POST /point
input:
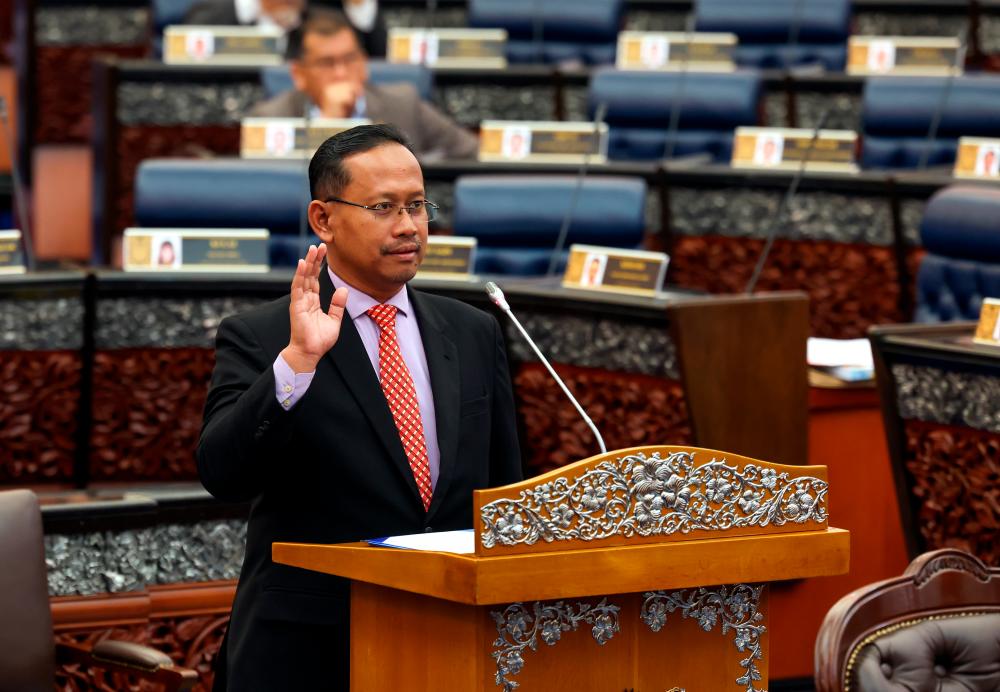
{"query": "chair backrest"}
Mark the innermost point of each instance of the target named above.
(781, 33)
(227, 193)
(897, 113)
(276, 78)
(517, 219)
(168, 12)
(961, 233)
(639, 110)
(27, 653)
(933, 628)
(583, 30)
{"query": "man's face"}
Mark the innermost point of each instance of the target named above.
(328, 60)
(377, 254)
(285, 13)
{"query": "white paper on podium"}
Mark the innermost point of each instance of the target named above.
(847, 359)
(461, 542)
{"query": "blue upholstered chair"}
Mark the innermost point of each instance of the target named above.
(571, 30)
(227, 193)
(781, 33)
(639, 104)
(277, 79)
(516, 219)
(961, 233)
(897, 113)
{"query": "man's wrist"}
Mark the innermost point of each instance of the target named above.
(297, 361)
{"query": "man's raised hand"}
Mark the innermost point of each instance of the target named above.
(314, 332)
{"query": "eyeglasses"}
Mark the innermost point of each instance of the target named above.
(420, 210)
(331, 62)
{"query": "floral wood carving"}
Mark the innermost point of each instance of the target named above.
(147, 412)
(38, 415)
(955, 473)
(630, 410)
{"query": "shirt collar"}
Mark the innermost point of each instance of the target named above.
(359, 302)
(247, 11)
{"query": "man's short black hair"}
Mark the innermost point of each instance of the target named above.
(324, 21)
(327, 174)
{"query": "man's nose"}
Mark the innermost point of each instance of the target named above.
(405, 225)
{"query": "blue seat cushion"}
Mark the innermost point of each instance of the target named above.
(582, 21)
(517, 261)
(818, 21)
(963, 222)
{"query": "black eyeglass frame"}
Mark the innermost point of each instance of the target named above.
(425, 203)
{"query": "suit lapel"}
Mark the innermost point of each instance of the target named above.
(351, 360)
(442, 362)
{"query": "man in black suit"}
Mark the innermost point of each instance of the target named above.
(356, 407)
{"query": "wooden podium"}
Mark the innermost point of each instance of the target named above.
(643, 570)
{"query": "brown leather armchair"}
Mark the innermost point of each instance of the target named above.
(935, 628)
(28, 654)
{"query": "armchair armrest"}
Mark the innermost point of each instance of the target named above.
(129, 658)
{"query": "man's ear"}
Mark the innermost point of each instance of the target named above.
(297, 71)
(321, 222)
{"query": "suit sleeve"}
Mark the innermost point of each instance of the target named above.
(442, 133)
(505, 452)
(244, 425)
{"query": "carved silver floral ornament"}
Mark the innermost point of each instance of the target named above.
(520, 627)
(640, 495)
(736, 607)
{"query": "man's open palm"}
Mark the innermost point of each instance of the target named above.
(314, 331)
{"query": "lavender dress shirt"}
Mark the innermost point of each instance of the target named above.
(289, 387)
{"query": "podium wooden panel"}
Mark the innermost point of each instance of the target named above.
(684, 609)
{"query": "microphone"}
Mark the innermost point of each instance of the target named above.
(601, 111)
(938, 114)
(537, 29)
(27, 242)
(675, 107)
(431, 9)
(304, 209)
(793, 187)
(496, 295)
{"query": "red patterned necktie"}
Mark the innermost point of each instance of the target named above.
(401, 395)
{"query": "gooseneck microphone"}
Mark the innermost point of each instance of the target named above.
(27, 242)
(942, 104)
(779, 216)
(496, 295)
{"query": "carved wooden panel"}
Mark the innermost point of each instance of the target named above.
(136, 143)
(850, 287)
(956, 479)
(147, 413)
(63, 89)
(628, 409)
(39, 403)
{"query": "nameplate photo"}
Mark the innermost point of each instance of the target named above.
(543, 141)
(978, 157)
(289, 138)
(223, 45)
(988, 329)
(461, 48)
(676, 50)
(927, 56)
(634, 272)
(448, 257)
(11, 252)
(196, 250)
(782, 148)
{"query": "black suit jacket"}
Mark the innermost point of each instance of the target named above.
(332, 469)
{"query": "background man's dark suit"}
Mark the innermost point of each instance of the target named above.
(332, 469)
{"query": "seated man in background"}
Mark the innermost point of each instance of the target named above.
(330, 70)
(363, 15)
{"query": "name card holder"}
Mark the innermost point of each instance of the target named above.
(196, 250)
(978, 157)
(449, 257)
(988, 329)
(223, 45)
(542, 141)
(781, 148)
(462, 48)
(925, 56)
(289, 138)
(676, 50)
(11, 252)
(634, 272)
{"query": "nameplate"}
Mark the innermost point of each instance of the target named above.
(196, 250)
(977, 157)
(636, 272)
(448, 257)
(542, 142)
(786, 149)
(11, 252)
(223, 45)
(676, 50)
(904, 55)
(471, 48)
(289, 138)
(988, 329)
